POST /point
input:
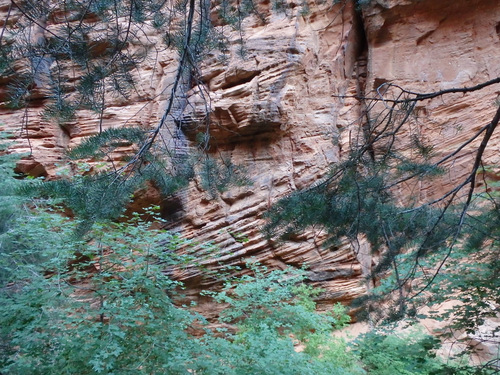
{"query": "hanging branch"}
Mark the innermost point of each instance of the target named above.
(471, 181)
(183, 64)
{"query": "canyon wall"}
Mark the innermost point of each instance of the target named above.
(285, 110)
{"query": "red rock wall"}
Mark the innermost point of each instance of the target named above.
(276, 111)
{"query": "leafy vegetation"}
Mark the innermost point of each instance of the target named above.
(410, 353)
(90, 295)
(102, 303)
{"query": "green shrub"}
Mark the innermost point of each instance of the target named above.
(101, 303)
(410, 353)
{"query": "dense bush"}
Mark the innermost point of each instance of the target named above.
(103, 305)
(410, 353)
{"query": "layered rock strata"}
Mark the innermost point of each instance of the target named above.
(279, 111)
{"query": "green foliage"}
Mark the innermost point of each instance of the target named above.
(268, 301)
(8, 199)
(355, 201)
(92, 198)
(475, 283)
(94, 194)
(102, 303)
(61, 110)
(100, 145)
(5, 60)
(271, 308)
(217, 176)
(410, 353)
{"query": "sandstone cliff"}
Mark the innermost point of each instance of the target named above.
(286, 109)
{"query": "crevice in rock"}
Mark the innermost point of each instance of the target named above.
(360, 34)
(383, 35)
(377, 82)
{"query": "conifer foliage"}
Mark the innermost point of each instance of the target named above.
(425, 250)
(77, 55)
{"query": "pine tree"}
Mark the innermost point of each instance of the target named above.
(427, 250)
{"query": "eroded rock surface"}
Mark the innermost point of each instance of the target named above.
(277, 111)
